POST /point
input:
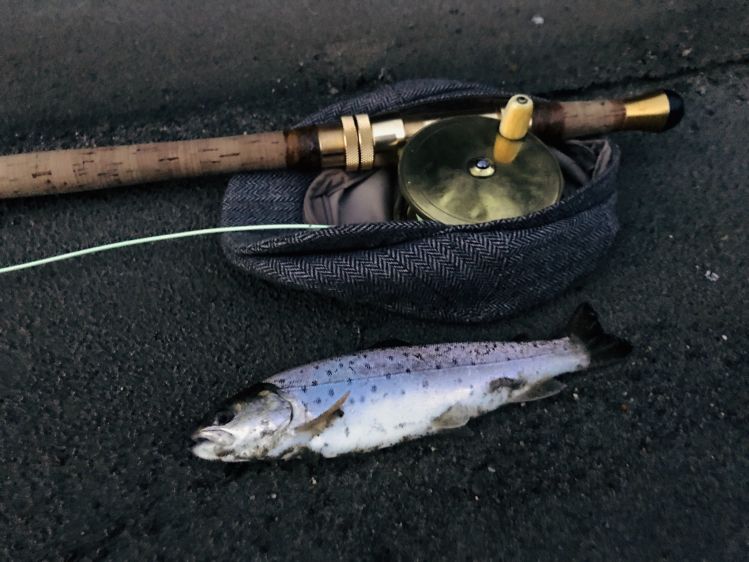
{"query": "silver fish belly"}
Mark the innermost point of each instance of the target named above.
(378, 398)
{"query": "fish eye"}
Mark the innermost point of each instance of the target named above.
(223, 417)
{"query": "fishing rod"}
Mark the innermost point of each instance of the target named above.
(355, 142)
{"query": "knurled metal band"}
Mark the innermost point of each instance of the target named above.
(366, 141)
(350, 143)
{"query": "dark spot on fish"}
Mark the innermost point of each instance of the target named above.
(281, 381)
(455, 361)
(374, 388)
(390, 358)
(425, 383)
(408, 370)
(331, 392)
(347, 431)
(460, 381)
(403, 392)
(349, 380)
(361, 399)
(314, 383)
(318, 400)
(340, 365)
(438, 367)
(364, 355)
(304, 388)
(504, 382)
(330, 373)
(317, 367)
(352, 400)
(388, 376)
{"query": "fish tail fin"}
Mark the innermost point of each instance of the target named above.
(602, 347)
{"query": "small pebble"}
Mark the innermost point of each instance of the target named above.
(537, 20)
(711, 276)
(491, 469)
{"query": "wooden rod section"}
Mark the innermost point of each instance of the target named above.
(65, 171)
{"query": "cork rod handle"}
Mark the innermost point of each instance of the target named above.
(63, 171)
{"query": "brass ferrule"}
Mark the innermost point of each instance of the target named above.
(332, 146)
(649, 112)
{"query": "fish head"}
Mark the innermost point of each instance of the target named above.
(244, 427)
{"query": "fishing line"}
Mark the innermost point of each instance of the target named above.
(158, 238)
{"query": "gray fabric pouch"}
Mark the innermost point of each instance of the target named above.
(466, 273)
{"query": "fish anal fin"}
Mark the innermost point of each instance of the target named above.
(455, 416)
(323, 421)
(539, 391)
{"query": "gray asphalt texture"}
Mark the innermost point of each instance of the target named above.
(107, 362)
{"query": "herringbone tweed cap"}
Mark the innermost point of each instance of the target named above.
(466, 273)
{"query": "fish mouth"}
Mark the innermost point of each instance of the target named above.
(212, 443)
(214, 435)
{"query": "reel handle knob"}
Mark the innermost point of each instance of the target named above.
(516, 120)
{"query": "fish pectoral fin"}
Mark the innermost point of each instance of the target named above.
(455, 416)
(538, 391)
(323, 421)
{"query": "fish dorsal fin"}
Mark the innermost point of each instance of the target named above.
(321, 422)
(387, 344)
(543, 389)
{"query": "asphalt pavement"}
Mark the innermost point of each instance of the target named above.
(107, 362)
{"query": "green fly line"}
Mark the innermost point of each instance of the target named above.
(158, 238)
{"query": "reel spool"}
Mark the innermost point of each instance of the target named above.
(463, 170)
